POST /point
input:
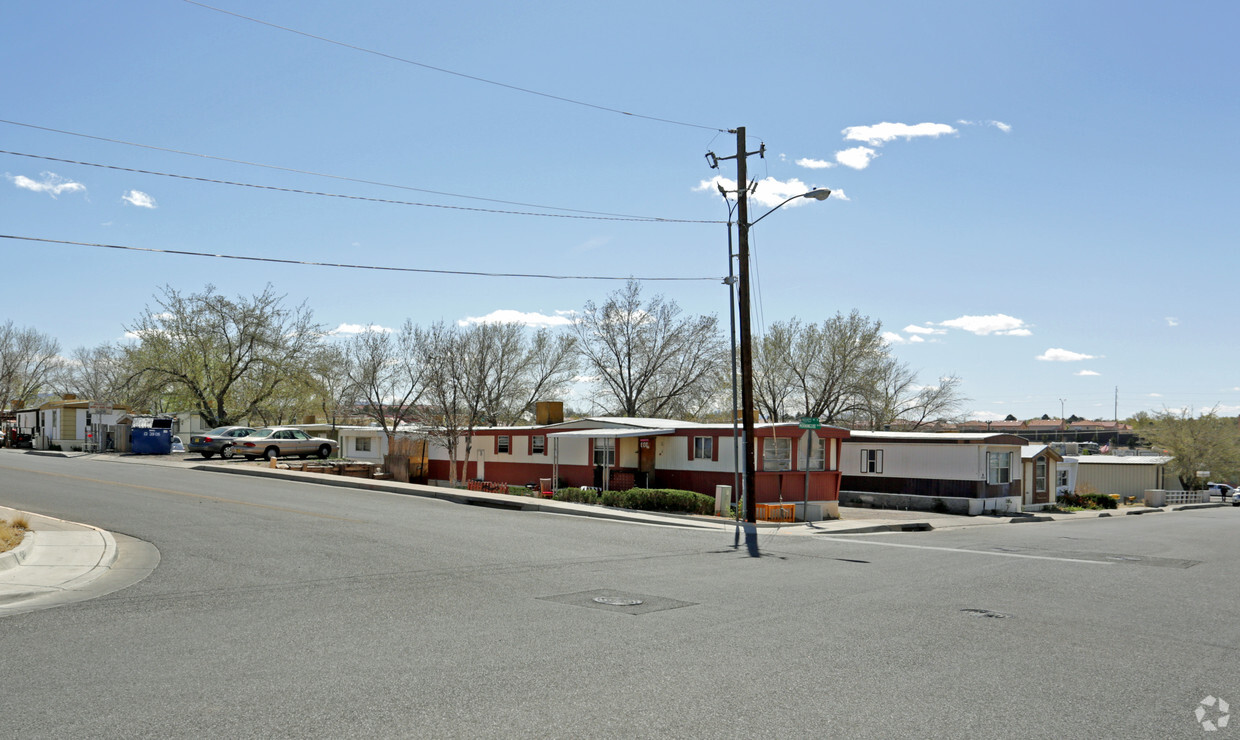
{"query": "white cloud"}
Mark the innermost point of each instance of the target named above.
(52, 184)
(139, 199)
(511, 316)
(881, 133)
(914, 329)
(1085, 373)
(1000, 324)
(988, 415)
(360, 329)
(915, 339)
(1056, 354)
(1005, 128)
(858, 158)
(1155, 395)
(814, 164)
(1172, 321)
(770, 192)
(890, 337)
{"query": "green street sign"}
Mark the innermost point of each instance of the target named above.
(810, 423)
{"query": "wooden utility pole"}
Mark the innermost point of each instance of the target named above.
(742, 256)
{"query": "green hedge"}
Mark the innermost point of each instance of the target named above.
(1086, 500)
(644, 499)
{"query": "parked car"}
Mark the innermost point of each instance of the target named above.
(1223, 490)
(1235, 497)
(177, 446)
(273, 442)
(219, 441)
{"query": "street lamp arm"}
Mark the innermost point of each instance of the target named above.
(815, 194)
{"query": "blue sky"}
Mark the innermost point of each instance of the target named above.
(1038, 197)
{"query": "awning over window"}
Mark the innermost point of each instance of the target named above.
(610, 433)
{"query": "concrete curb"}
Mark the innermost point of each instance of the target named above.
(18, 555)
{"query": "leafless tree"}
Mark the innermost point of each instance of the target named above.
(817, 370)
(387, 371)
(334, 394)
(648, 358)
(893, 396)
(29, 361)
(444, 411)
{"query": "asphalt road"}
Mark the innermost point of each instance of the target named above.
(284, 609)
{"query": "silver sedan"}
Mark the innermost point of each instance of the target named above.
(273, 442)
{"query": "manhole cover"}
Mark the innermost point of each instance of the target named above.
(617, 601)
(985, 613)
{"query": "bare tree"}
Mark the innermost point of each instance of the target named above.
(486, 375)
(29, 362)
(222, 357)
(647, 357)
(102, 373)
(386, 371)
(442, 412)
(334, 393)
(892, 395)
(817, 370)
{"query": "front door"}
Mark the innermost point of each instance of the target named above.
(645, 460)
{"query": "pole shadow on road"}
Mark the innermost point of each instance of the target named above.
(751, 539)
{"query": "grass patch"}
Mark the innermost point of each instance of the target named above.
(12, 532)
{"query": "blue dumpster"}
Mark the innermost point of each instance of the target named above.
(153, 440)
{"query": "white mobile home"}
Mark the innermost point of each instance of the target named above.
(966, 473)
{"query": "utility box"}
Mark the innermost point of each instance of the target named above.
(723, 500)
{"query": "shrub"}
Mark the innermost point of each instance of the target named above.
(576, 496)
(1087, 500)
(643, 499)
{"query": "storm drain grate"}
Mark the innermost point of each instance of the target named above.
(986, 613)
(623, 602)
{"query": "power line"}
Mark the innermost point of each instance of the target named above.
(454, 73)
(640, 219)
(313, 173)
(359, 267)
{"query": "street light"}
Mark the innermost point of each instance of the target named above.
(747, 401)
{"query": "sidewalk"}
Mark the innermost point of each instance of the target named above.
(55, 560)
(853, 520)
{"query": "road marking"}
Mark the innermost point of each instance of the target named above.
(852, 541)
(169, 491)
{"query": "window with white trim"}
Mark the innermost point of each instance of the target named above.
(361, 444)
(998, 468)
(817, 452)
(1039, 474)
(703, 448)
(605, 451)
(777, 453)
(871, 461)
(538, 445)
(502, 445)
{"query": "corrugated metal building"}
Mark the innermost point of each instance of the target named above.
(1125, 476)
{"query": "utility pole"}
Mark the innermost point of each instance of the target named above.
(742, 290)
(742, 256)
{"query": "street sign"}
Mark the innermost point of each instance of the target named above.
(810, 423)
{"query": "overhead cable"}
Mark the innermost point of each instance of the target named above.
(451, 72)
(640, 219)
(320, 174)
(308, 263)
